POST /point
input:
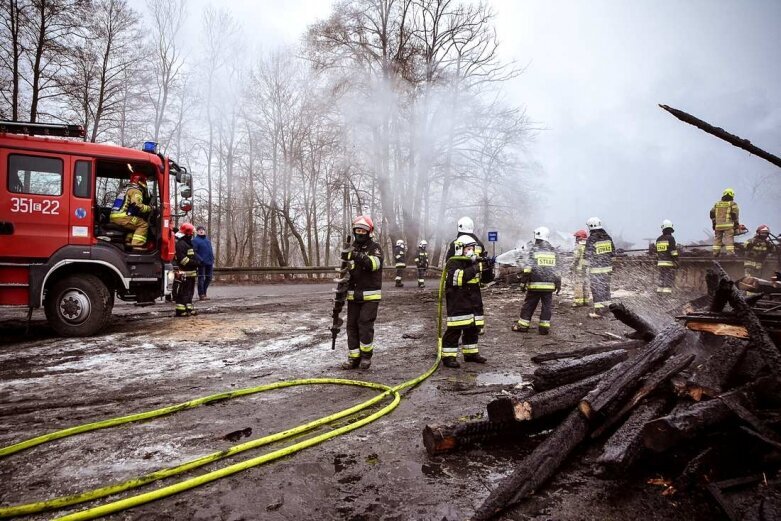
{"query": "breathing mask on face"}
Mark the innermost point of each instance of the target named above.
(360, 238)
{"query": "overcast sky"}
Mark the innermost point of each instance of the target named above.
(596, 72)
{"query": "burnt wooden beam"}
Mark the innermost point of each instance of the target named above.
(643, 327)
(720, 133)
(537, 467)
(441, 439)
(625, 378)
(563, 372)
(539, 405)
(578, 353)
(670, 368)
(626, 444)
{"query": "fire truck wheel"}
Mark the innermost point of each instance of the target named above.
(78, 305)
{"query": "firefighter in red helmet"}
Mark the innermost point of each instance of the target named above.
(188, 264)
(757, 250)
(579, 280)
(364, 292)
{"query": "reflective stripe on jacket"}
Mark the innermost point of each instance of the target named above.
(666, 251)
(725, 215)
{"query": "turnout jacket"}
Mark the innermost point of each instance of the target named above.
(599, 252)
(421, 259)
(366, 272)
(666, 251)
(399, 254)
(725, 215)
(133, 203)
(578, 257)
(757, 250)
(542, 268)
(186, 258)
(462, 292)
(487, 275)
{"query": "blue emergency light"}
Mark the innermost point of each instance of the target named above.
(150, 146)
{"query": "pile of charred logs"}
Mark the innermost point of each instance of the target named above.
(704, 399)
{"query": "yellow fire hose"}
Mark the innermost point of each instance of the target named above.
(140, 499)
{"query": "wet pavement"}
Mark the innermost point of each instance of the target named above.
(250, 335)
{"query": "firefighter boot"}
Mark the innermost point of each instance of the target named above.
(399, 284)
(351, 363)
(451, 361)
(365, 363)
(475, 357)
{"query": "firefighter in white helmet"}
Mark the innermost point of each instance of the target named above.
(464, 303)
(421, 262)
(599, 259)
(542, 271)
(666, 258)
(400, 256)
(466, 226)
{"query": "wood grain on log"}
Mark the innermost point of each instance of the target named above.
(563, 372)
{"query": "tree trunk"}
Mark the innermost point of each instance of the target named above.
(644, 329)
(562, 372)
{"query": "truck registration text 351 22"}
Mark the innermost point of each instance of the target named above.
(27, 205)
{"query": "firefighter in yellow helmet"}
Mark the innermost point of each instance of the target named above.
(724, 217)
(666, 258)
(132, 211)
(757, 250)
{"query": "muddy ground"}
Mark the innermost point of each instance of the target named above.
(250, 335)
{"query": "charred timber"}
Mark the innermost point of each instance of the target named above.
(440, 439)
(644, 328)
(625, 378)
(680, 425)
(593, 350)
(711, 376)
(536, 468)
(563, 372)
(720, 133)
(507, 408)
(626, 444)
(757, 333)
(671, 367)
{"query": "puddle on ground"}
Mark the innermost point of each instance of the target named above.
(499, 379)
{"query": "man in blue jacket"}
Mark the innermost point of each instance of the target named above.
(203, 249)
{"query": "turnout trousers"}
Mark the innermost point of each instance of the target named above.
(600, 291)
(468, 336)
(184, 296)
(580, 286)
(421, 277)
(530, 304)
(666, 280)
(724, 238)
(360, 328)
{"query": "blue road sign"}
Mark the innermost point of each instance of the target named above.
(493, 236)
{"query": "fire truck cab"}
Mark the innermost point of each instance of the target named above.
(58, 248)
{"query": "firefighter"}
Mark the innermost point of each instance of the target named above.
(132, 210)
(599, 261)
(666, 258)
(757, 250)
(421, 262)
(465, 269)
(188, 271)
(466, 226)
(724, 217)
(399, 255)
(541, 269)
(364, 292)
(579, 270)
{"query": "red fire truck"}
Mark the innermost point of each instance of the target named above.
(58, 248)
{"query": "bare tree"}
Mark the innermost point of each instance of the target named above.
(14, 18)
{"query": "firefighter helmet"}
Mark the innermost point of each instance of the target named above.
(138, 179)
(580, 234)
(364, 222)
(400, 242)
(667, 223)
(763, 229)
(463, 242)
(594, 223)
(423, 243)
(728, 192)
(187, 229)
(466, 225)
(542, 233)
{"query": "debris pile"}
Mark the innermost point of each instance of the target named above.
(706, 401)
